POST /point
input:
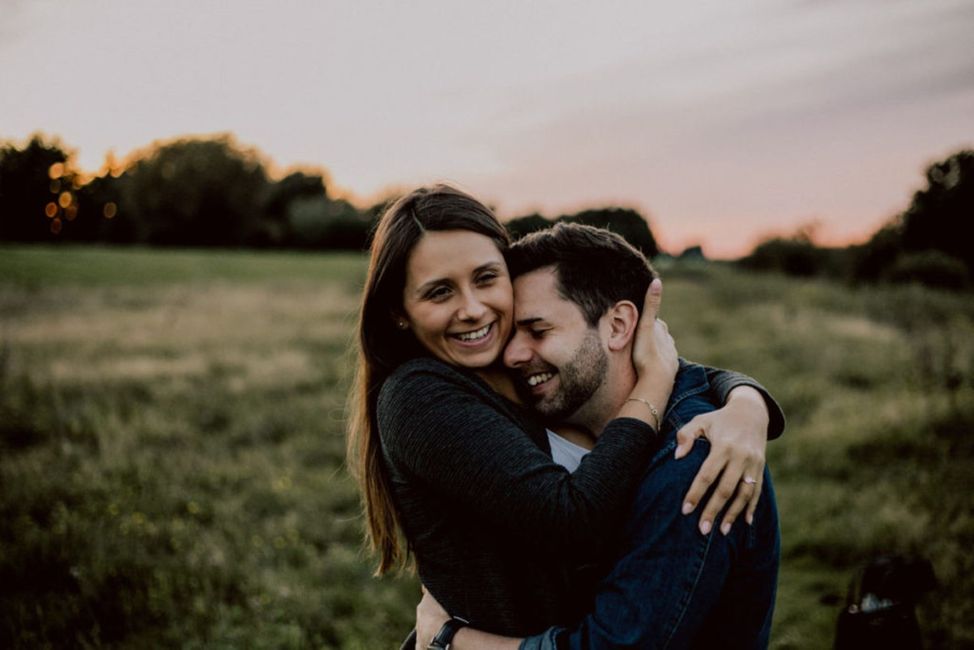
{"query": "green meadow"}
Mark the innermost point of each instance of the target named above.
(172, 446)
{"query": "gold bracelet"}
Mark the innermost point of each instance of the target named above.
(652, 409)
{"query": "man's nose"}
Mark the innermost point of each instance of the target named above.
(516, 353)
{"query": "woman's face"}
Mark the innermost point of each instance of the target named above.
(458, 300)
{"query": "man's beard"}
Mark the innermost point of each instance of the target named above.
(578, 380)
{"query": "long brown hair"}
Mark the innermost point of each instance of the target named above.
(383, 346)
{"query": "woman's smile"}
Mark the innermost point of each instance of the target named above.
(476, 337)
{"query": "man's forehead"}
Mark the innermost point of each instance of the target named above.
(536, 297)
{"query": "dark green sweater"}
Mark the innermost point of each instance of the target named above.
(494, 523)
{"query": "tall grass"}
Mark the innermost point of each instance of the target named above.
(171, 446)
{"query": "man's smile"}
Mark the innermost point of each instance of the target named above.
(539, 378)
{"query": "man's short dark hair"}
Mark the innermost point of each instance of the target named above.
(595, 268)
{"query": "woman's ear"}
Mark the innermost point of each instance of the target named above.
(399, 320)
(621, 319)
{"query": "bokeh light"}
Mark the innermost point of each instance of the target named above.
(110, 210)
(50, 210)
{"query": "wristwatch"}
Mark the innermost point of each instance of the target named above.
(444, 637)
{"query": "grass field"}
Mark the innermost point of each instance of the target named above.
(171, 446)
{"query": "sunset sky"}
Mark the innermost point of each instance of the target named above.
(721, 121)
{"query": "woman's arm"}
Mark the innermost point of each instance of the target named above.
(463, 443)
(738, 434)
(724, 384)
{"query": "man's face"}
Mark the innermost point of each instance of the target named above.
(558, 358)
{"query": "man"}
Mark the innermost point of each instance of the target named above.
(578, 294)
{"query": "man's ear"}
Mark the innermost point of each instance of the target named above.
(621, 320)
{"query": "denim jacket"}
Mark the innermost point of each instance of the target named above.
(671, 586)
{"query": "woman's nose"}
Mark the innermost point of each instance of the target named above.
(471, 308)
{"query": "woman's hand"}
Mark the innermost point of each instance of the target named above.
(654, 351)
(430, 617)
(738, 435)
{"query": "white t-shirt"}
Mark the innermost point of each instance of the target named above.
(564, 452)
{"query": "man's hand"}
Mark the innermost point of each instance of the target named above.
(738, 435)
(430, 617)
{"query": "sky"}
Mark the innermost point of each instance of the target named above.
(722, 122)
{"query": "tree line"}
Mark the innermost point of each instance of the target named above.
(927, 243)
(215, 192)
(202, 192)
(186, 192)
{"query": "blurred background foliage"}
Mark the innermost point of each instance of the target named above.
(214, 192)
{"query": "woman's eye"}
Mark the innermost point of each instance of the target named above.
(486, 278)
(438, 293)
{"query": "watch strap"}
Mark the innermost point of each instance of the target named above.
(445, 636)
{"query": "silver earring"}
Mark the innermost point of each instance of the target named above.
(402, 324)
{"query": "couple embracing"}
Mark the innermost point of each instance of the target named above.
(523, 428)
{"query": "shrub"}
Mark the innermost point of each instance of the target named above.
(793, 256)
(932, 268)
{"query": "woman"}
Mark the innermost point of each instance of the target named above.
(443, 451)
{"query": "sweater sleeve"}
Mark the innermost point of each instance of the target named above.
(439, 428)
(722, 382)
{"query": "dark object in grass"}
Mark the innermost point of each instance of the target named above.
(880, 607)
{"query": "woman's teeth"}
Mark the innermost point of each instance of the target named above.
(473, 336)
(539, 378)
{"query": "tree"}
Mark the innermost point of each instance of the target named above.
(872, 260)
(319, 222)
(789, 255)
(100, 218)
(692, 253)
(521, 226)
(38, 187)
(941, 216)
(623, 221)
(205, 192)
(276, 228)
